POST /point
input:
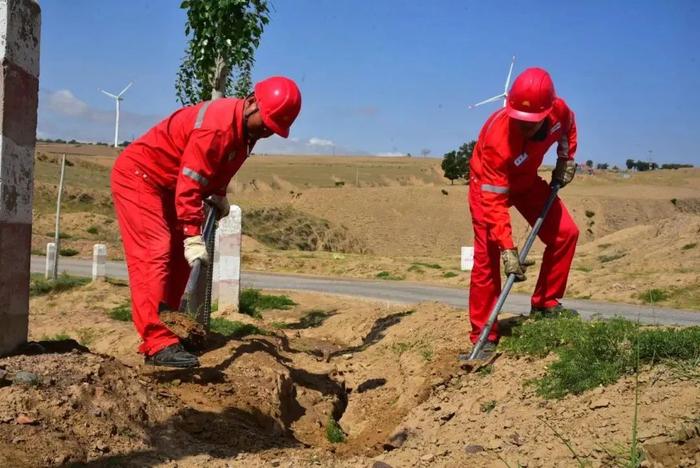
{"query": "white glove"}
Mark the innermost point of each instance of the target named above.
(223, 207)
(195, 249)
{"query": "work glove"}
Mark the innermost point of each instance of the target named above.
(220, 203)
(195, 249)
(564, 171)
(511, 264)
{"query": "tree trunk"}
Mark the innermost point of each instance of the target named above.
(221, 72)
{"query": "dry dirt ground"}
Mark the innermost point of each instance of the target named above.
(387, 374)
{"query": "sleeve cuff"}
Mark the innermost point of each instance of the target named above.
(190, 230)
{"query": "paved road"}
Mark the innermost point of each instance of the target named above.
(405, 293)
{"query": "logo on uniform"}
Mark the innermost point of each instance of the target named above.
(556, 127)
(521, 159)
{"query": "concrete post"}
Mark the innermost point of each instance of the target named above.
(50, 259)
(99, 261)
(19, 92)
(227, 260)
(467, 258)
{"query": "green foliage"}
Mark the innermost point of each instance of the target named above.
(455, 164)
(334, 433)
(61, 235)
(651, 296)
(234, 328)
(92, 230)
(590, 214)
(589, 163)
(68, 252)
(223, 36)
(597, 353)
(252, 301)
(39, 286)
(488, 406)
(122, 312)
(57, 337)
(692, 245)
(449, 274)
(428, 265)
(385, 275)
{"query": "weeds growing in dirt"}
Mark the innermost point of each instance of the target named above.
(416, 269)
(92, 230)
(488, 406)
(40, 286)
(252, 301)
(604, 246)
(86, 336)
(651, 296)
(583, 268)
(423, 348)
(692, 245)
(385, 275)
(566, 442)
(61, 235)
(68, 252)
(590, 214)
(121, 312)
(234, 328)
(598, 352)
(56, 337)
(449, 274)
(610, 258)
(435, 266)
(334, 433)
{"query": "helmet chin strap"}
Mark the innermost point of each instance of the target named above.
(251, 141)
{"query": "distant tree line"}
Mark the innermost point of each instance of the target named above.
(455, 164)
(123, 144)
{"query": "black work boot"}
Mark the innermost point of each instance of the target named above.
(485, 353)
(537, 313)
(173, 356)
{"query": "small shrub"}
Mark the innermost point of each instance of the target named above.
(449, 274)
(61, 235)
(121, 313)
(674, 201)
(488, 406)
(610, 258)
(57, 337)
(334, 433)
(39, 286)
(590, 214)
(651, 296)
(385, 275)
(68, 252)
(435, 266)
(339, 183)
(252, 301)
(689, 246)
(92, 230)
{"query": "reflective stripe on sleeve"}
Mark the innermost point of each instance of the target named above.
(493, 188)
(196, 176)
(200, 115)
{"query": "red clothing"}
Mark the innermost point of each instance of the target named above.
(158, 184)
(504, 162)
(503, 174)
(194, 153)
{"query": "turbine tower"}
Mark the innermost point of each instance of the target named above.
(117, 98)
(504, 94)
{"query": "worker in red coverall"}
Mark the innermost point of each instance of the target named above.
(509, 150)
(159, 183)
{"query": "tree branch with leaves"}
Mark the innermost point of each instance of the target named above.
(223, 37)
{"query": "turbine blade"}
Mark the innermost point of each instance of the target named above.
(510, 73)
(127, 87)
(486, 101)
(109, 94)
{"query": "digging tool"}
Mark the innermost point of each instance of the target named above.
(192, 302)
(473, 363)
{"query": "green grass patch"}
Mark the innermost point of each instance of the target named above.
(610, 258)
(385, 275)
(252, 301)
(68, 252)
(121, 312)
(692, 245)
(423, 349)
(234, 328)
(61, 235)
(654, 295)
(598, 352)
(334, 433)
(57, 337)
(488, 406)
(92, 230)
(434, 266)
(39, 286)
(449, 274)
(584, 268)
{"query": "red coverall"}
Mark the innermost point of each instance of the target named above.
(503, 174)
(158, 184)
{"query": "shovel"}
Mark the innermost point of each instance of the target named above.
(195, 302)
(472, 363)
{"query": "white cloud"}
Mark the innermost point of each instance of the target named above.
(314, 141)
(64, 102)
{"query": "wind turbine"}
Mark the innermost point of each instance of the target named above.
(117, 98)
(505, 90)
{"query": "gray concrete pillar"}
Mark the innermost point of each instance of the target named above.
(50, 259)
(227, 261)
(99, 261)
(20, 22)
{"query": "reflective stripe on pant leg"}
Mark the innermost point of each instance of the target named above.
(559, 233)
(485, 285)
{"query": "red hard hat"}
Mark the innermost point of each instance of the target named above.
(531, 96)
(279, 102)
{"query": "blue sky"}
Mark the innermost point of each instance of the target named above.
(387, 77)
